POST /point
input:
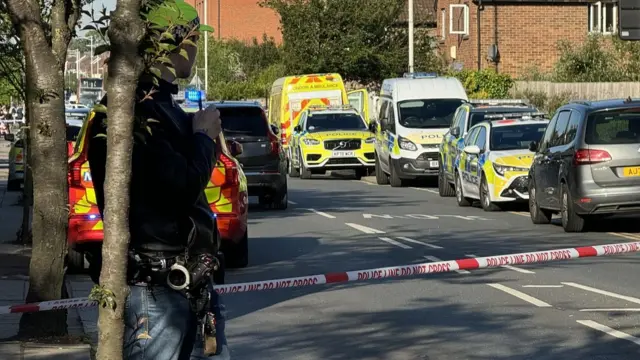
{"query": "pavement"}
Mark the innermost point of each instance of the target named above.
(14, 282)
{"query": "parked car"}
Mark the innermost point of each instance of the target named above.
(587, 164)
(263, 159)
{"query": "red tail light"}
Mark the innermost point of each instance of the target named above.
(231, 171)
(75, 171)
(283, 135)
(69, 148)
(275, 143)
(590, 156)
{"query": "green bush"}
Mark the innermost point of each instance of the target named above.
(544, 102)
(485, 84)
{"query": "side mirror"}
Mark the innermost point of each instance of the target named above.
(533, 146)
(235, 148)
(472, 149)
(10, 137)
(274, 129)
(297, 128)
(373, 126)
(455, 132)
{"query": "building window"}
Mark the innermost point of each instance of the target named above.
(443, 22)
(603, 18)
(458, 19)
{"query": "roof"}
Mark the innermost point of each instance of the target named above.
(441, 87)
(423, 12)
(605, 104)
(541, 2)
(500, 109)
(503, 123)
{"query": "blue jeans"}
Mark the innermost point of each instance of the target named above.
(159, 325)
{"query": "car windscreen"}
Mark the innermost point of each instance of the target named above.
(72, 132)
(428, 113)
(516, 137)
(330, 122)
(243, 121)
(615, 126)
(478, 117)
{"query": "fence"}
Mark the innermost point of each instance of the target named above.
(587, 91)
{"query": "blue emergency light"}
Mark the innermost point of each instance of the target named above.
(420, 75)
(194, 95)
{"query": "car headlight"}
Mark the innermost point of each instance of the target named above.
(406, 144)
(310, 142)
(370, 140)
(502, 169)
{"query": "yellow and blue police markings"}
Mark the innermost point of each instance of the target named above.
(448, 160)
(315, 154)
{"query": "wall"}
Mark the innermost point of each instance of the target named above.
(587, 91)
(240, 19)
(527, 34)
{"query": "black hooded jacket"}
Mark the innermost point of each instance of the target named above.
(170, 171)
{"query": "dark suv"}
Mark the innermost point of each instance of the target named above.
(587, 163)
(263, 160)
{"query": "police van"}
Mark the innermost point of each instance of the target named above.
(415, 112)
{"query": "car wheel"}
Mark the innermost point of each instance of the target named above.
(238, 254)
(461, 199)
(293, 171)
(394, 180)
(381, 177)
(304, 172)
(538, 215)
(359, 173)
(571, 221)
(281, 199)
(444, 188)
(485, 198)
(13, 185)
(75, 261)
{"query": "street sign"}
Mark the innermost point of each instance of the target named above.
(629, 21)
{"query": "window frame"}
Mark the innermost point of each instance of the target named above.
(465, 14)
(443, 20)
(599, 9)
(484, 129)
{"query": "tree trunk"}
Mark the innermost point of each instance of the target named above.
(125, 65)
(27, 194)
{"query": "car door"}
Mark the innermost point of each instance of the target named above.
(540, 163)
(462, 160)
(380, 140)
(473, 161)
(387, 138)
(553, 158)
(454, 147)
(359, 99)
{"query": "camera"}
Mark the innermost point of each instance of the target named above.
(192, 275)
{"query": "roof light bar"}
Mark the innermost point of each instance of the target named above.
(331, 107)
(419, 75)
(499, 102)
(520, 115)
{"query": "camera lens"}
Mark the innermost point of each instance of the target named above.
(176, 278)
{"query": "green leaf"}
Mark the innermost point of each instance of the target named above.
(167, 46)
(187, 11)
(172, 70)
(100, 49)
(140, 137)
(188, 42)
(100, 108)
(164, 60)
(89, 27)
(101, 136)
(167, 35)
(155, 71)
(203, 27)
(184, 54)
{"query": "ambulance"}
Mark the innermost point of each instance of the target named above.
(415, 112)
(291, 95)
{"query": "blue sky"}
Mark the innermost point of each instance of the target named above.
(97, 6)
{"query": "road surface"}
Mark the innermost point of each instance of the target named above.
(577, 309)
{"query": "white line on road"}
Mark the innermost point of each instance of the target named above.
(393, 242)
(423, 189)
(419, 242)
(328, 216)
(364, 182)
(520, 295)
(524, 271)
(603, 292)
(292, 203)
(610, 310)
(365, 229)
(626, 235)
(609, 331)
(542, 286)
(435, 259)
(520, 213)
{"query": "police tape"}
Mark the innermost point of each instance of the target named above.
(375, 274)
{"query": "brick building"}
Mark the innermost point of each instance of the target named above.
(239, 19)
(524, 32)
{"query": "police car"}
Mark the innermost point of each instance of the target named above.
(468, 115)
(494, 163)
(330, 138)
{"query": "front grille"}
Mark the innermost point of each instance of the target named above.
(428, 156)
(370, 156)
(343, 161)
(347, 144)
(521, 184)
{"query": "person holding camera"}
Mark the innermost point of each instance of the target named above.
(172, 313)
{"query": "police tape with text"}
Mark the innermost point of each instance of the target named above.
(379, 273)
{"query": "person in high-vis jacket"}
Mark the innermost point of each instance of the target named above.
(169, 219)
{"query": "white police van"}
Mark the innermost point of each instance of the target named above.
(415, 112)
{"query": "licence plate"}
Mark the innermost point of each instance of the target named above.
(631, 171)
(343, 154)
(433, 164)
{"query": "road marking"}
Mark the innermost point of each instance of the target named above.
(419, 242)
(393, 242)
(519, 213)
(603, 292)
(328, 216)
(423, 189)
(365, 229)
(609, 331)
(542, 286)
(520, 295)
(510, 267)
(626, 235)
(292, 203)
(364, 182)
(435, 259)
(610, 310)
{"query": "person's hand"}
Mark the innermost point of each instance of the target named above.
(207, 121)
